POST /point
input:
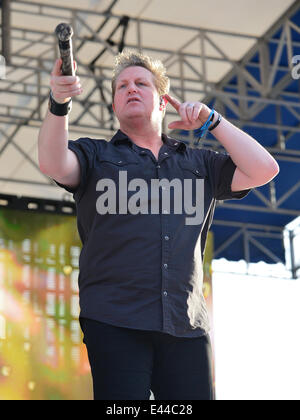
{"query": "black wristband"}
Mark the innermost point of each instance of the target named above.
(216, 123)
(59, 109)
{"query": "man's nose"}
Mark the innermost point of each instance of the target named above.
(132, 88)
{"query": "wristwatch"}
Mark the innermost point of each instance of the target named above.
(59, 109)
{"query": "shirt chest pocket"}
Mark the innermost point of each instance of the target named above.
(200, 181)
(116, 168)
(192, 171)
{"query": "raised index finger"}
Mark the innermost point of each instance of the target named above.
(173, 101)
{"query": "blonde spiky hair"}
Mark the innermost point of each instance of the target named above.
(129, 58)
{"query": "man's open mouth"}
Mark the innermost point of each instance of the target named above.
(130, 100)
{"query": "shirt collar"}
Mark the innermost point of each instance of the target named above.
(121, 137)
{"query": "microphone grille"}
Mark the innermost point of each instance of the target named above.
(64, 32)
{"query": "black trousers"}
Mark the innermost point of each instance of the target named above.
(126, 363)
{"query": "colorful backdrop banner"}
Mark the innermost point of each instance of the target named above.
(42, 356)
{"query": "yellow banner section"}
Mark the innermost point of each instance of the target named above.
(207, 286)
(207, 267)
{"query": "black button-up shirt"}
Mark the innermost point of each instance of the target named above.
(142, 268)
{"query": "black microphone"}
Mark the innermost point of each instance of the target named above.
(64, 33)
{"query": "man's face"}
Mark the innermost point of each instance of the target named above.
(136, 95)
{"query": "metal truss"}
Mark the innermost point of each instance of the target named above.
(244, 99)
(264, 99)
(260, 81)
(291, 238)
(38, 205)
(250, 234)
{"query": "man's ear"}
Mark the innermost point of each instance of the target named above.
(162, 103)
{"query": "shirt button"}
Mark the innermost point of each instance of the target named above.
(167, 238)
(175, 144)
(165, 293)
(166, 153)
(158, 166)
(166, 265)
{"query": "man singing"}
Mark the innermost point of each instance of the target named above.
(143, 313)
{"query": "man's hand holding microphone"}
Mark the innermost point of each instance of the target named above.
(64, 87)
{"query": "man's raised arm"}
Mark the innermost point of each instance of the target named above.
(55, 159)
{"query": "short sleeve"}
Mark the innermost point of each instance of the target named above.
(221, 168)
(85, 150)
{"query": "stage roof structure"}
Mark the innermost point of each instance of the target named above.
(240, 57)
